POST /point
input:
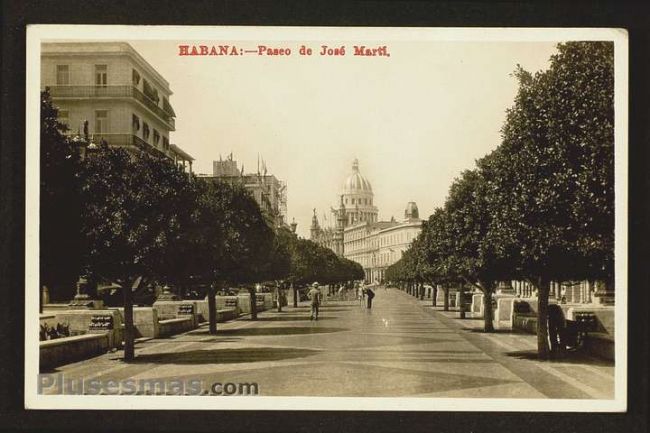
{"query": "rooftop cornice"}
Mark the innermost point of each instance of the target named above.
(82, 49)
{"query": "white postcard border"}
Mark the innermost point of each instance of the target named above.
(38, 33)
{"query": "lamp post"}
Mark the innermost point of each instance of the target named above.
(84, 144)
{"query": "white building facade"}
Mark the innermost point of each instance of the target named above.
(359, 235)
(122, 97)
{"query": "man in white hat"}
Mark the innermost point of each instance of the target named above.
(315, 297)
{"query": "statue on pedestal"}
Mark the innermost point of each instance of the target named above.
(82, 299)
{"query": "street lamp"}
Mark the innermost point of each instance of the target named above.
(83, 143)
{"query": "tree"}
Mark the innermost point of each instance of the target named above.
(550, 183)
(229, 241)
(60, 206)
(469, 217)
(130, 220)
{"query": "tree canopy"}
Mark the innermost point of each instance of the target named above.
(541, 206)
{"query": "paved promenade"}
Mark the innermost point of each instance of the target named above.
(402, 347)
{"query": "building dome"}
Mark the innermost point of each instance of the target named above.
(356, 183)
(411, 211)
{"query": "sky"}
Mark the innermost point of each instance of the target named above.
(415, 120)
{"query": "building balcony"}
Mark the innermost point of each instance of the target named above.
(130, 140)
(92, 92)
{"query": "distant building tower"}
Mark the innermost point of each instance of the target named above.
(411, 211)
(314, 230)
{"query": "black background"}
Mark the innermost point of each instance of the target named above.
(16, 15)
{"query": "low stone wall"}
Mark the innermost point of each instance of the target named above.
(51, 308)
(477, 305)
(228, 302)
(79, 322)
(244, 303)
(268, 301)
(169, 309)
(202, 310)
(504, 312)
(453, 298)
(226, 314)
(71, 349)
(145, 322)
(604, 315)
(179, 325)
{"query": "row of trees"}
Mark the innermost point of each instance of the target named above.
(119, 217)
(541, 206)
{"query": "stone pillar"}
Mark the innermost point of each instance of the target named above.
(45, 296)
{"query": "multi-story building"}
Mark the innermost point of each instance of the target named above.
(269, 192)
(359, 236)
(123, 99)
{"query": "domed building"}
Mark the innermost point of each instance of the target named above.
(357, 198)
(358, 234)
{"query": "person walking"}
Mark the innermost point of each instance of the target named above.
(315, 297)
(360, 295)
(370, 294)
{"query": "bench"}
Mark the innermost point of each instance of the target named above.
(179, 325)
(53, 353)
(524, 318)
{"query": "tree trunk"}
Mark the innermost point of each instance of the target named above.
(488, 314)
(295, 295)
(543, 349)
(445, 305)
(279, 298)
(253, 301)
(422, 289)
(212, 309)
(434, 294)
(129, 334)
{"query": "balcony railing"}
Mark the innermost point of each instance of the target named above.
(129, 140)
(112, 92)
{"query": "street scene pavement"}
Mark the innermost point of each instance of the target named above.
(402, 347)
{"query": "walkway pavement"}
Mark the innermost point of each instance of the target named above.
(402, 347)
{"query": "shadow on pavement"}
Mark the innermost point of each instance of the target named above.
(569, 357)
(496, 331)
(224, 356)
(286, 330)
(290, 318)
(216, 339)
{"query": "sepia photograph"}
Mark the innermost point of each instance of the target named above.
(326, 218)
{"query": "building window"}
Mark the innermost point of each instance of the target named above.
(156, 137)
(145, 130)
(64, 117)
(150, 91)
(101, 121)
(165, 143)
(352, 201)
(136, 124)
(135, 76)
(62, 75)
(101, 75)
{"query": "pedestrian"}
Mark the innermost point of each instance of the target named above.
(370, 295)
(361, 292)
(315, 297)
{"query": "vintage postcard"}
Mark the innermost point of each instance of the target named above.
(324, 218)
